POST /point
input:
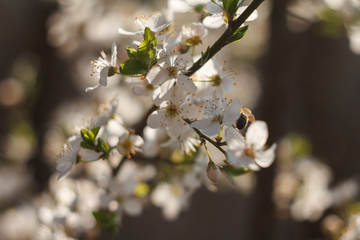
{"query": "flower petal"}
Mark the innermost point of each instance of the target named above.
(238, 159)
(63, 167)
(257, 134)
(175, 126)
(213, 21)
(213, 8)
(265, 158)
(185, 84)
(232, 112)
(157, 75)
(125, 32)
(156, 119)
(113, 54)
(234, 139)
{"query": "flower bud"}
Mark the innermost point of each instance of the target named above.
(213, 172)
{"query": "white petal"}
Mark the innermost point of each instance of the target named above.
(156, 119)
(186, 84)
(103, 76)
(137, 140)
(227, 83)
(257, 134)
(113, 54)
(201, 124)
(188, 110)
(114, 128)
(183, 61)
(89, 155)
(63, 167)
(265, 158)
(232, 112)
(234, 139)
(124, 32)
(177, 97)
(175, 126)
(213, 21)
(157, 75)
(179, 6)
(162, 94)
(213, 8)
(238, 159)
(213, 129)
(88, 89)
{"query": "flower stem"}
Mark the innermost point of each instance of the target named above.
(225, 37)
(198, 132)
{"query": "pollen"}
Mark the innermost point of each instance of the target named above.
(172, 71)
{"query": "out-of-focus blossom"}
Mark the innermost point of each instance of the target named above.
(156, 23)
(314, 196)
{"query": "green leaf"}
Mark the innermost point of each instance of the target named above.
(239, 34)
(205, 55)
(131, 52)
(87, 146)
(230, 7)
(106, 219)
(133, 68)
(87, 136)
(149, 39)
(104, 147)
(95, 131)
(142, 59)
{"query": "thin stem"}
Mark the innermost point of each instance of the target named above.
(224, 38)
(198, 132)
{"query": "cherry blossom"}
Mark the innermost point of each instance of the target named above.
(104, 68)
(250, 152)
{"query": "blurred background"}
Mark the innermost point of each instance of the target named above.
(298, 68)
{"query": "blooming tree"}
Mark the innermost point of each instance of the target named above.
(189, 113)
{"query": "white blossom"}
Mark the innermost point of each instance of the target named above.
(102, 67)
(218, 113)
(218, 18)
(171, 71)
(156, 23)
(171, 114)
(185, 142)
(213, 79)
(249, 152)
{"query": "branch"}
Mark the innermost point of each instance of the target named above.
(224, 38)
(198, 132)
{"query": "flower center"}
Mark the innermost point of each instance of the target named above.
(172, 71)
(194, 41)
(249, 152)
(171, 111)
(218, 118)
(127, 144)
(216, 80)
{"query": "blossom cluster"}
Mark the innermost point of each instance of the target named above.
(190, 112)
